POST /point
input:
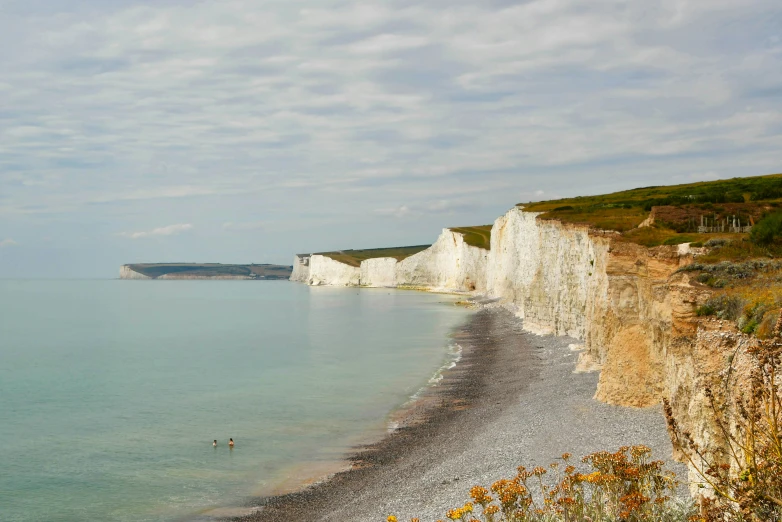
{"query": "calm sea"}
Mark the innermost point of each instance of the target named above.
(111, 392)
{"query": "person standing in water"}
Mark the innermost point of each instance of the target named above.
(214, 444)
(231, 443)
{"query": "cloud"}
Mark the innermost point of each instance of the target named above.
(329, 111)
(249, 225)
(8, 243)
(399, 212)
(440, 206)
(169, 230)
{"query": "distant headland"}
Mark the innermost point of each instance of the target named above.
(261, 272)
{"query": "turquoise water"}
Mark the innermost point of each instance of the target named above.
(111, 392)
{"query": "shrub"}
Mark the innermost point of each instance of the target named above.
(716, 242)
(766, 327)
(624, 486)
(723, 306)
(767, 230)
(705, 310)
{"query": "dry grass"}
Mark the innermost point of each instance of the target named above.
(655, 236)
(678, 209)
(479, 236)
(355, 257)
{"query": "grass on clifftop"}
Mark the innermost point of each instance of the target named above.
(677, 208)
(355, 257)
(479, 236)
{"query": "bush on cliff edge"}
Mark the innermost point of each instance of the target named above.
(768, 230)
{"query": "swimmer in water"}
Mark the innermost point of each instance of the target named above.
(231, 443)
(214, 444)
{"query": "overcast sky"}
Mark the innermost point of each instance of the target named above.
(245, 131)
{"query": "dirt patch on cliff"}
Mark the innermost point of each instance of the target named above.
(630, 376)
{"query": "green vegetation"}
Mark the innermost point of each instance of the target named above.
(155, 270)
(768, 230)
(749, 292)
(355, 257)
(676, 209)
(479, 236)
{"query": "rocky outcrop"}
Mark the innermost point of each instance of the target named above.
(301, 268)
(125, 272)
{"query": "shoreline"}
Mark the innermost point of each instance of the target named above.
(512, 399)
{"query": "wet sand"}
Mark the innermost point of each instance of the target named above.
(513, 399)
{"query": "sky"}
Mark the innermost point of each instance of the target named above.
(247, 131)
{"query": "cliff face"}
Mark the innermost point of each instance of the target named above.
(449, 264)
(301, 268)
(379, 272)
(551, 274)
(125, 272)
(326, 271)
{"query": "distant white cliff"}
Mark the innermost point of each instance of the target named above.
(450, 264)
(125, 272)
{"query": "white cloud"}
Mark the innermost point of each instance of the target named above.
(8, 243)
(325, 111)
(169, 230)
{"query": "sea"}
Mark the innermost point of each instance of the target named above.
(112, 392)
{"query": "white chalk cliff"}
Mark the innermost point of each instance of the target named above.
(450, 264)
